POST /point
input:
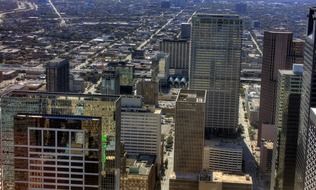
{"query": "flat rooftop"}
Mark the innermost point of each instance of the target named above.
(229, 145)
(229, 178)
(197, 96)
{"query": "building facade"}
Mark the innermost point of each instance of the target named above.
(56, 105)
(185, 31)
(189, 131)
(110, 83)
(57, 75)
(178, 51)
(222, 156)
(149, 90)
(307, 98)
(141, 129)
(286, 121)
(215, 66)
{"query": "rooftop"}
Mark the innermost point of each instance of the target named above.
(224, 144)
(229, 178)
(197, 96)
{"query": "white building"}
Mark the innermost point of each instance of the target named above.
(140, 127)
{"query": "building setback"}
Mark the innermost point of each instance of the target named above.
(308, 99)
(287, 122)
(215, 66)
(57, 75)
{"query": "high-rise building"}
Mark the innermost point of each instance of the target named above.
(178, 51)
(310, 172)
(215, 67)
(276, 55)
(189, 131)
(287, 122)
(185, 31)
(110, 84)
(57, 152)
(149, 90)
(140, 128)
(307, 99)
(57, 75)
(61, 123)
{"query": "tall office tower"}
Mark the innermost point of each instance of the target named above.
(215, 67)
(310, 174)
(189, 131)
(57, 75)
(308, 99)
(178, 51)
(140, 128)
(60, 141)
(297, 51)
(287, 122)
(110, 84)
(276, 55)
(185, 31)
(149, 90)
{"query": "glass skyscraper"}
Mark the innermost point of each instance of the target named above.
(59, 126)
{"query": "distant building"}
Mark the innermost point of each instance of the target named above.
(304, 173)
(76, 84)
(57, 75)
(185, 31)
(140, 128)
(140, 173)
(178, 51)
(213, 39)
(149, 90)
(287, 123)
(241, 8)
(222, 156)
(189, 131)
(110, 83)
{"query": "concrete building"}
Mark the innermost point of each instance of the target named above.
(189, 131)
(185, 31)
(140, 174)
(279, 52)
(266, 152)
(215, 67)
(140, 128)
(76, 84)
(307, 99)
(57, 75)
(149, 90)
(221, 155)
(178, 51)
(286, 122)
(56, 117)
(110, 83)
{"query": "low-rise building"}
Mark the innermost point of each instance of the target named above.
(222, 156)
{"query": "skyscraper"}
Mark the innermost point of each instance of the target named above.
(189, 131)
(48, 114)
(276, 55)
(57, 75)
(215, 66)
(287, 122)
(308, 99)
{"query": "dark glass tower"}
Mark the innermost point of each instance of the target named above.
(57, 75)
